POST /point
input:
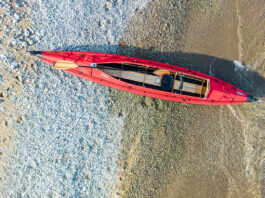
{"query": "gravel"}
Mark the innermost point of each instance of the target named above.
(1, 78)
(66, 143)
(82, 25)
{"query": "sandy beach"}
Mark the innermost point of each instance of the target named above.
(62, 136)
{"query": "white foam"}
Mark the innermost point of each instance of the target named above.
(238, 65)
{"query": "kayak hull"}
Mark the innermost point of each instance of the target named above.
(220, 92)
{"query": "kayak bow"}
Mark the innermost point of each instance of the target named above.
(148, 78)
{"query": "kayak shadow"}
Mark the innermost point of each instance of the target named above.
(232, 72)
(229, 71)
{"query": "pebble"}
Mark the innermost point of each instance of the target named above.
(13, 66)
(3, 94)
(7, 123)
(108, 6)
(16, 5)
(102, 23)
(110, 37)
(19, 32)
(13, 99)
(147, 102)
(16, 16)
(30, 42)
(21, 119)
(42, 32)
(18, 78)
(13, 42)
(24, 44)
(7, 28)
(1, 78)
(118, 2)
(26, 32)
(6, 7)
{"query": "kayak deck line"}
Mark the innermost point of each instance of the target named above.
(148, 78)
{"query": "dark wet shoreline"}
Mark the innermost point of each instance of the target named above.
(181, 150)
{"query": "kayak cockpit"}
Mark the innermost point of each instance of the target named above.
(158, 79)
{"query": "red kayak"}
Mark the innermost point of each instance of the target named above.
(148, 78)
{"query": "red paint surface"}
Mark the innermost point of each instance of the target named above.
(221, 93)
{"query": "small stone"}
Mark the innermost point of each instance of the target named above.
(16, 16)
(120, 114)
(13, 99)
(26, 80)
(7, 7)
(3, 94)
(118, 2)
(30, 42)
(7, 123)
(21, 119)
(67, 175)
(19, 46)
(13, 42)
(102, 23)
(2, 100)
(32, 31)
(110, 37)
(18, 78)
(159, 105)
(7, 28)
(32, 165)
(147, 102)
(108, 5)
(42, 32)
(13, 66)
(122, 43)
(1, 78)
(24, 44)
(109, 21)
(19, 32)
(26, 32)
(33, 66)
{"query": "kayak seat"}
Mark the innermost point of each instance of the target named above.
(167, 82)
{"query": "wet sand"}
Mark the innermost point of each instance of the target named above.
(180, 150)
